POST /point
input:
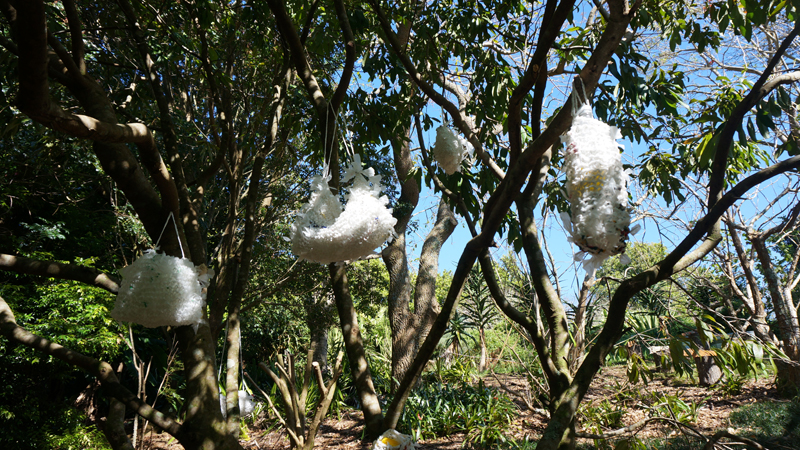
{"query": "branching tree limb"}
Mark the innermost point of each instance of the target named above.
(498, 204)
(88, 275)
(102, 370)
(459, 119)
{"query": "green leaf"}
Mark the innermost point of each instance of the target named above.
(706, 150)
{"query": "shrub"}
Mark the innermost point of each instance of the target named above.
(438, 409)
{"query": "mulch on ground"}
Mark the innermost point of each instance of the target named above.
(346, 431)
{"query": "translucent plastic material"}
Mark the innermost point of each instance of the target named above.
(246, 403)
(393, 440)
(159, 290)
(450, 150)
(325, 232)
(597, 190)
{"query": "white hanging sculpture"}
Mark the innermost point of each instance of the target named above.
(596, 190)
(160, 290)
(324, 232)
(449, 150)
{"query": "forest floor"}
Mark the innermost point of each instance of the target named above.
(610, 391)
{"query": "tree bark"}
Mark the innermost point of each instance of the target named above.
(754, 301)
(114, 427)
(401, 320)
(395, 258)
(426, 306)
(786, 313)
(577, 349)
(319, 313)
(87, 275)
(354, 345)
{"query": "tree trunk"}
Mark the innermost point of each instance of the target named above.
(788, 377)
(395, 258)
(354, 345)
(319, 310)
(577, 349)
(319, 346)
(401, 321)
(426, 306)
(754, 301)
(409, 329)
(786, 314)
(204, 424)
(114, 428)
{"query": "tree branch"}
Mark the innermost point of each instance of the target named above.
(99, 369)
(711, 444)
(555, 15)
(88, 275)
(33, 99)
(187, 212)
(672, 263)
(76, 36)
(459, 120)
(499, 203)
(66, 59)
(762, 87)
(349, 56)
(602, 10)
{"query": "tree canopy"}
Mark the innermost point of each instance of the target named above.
(117, 115)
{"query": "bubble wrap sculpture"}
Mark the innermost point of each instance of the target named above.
(449, 150)
(246, 403)
(324, 232)
(596, 189)
(159, 290)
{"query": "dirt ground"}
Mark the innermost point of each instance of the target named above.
(611, 384)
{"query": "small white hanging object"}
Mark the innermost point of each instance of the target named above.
(449, 150)
(324, 232)
(246, 403)
(596, 190)
(159, 290)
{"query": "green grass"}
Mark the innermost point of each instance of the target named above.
(771, 422)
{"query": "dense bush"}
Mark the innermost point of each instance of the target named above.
(38, 391)
(437, 409)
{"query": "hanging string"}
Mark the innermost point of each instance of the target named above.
(223, 357)
(328, 152)
(241, 361)
(578, 97)
(349, 150)
(442, 111)
(180, 244)
(326, 168)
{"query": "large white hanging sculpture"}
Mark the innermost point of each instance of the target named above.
(596, 190)
(449, 150)
(159, 290)
(325, 232)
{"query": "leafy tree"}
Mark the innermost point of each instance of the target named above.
(767, 270)
(512, 172)
(479, 311)
(662, 299)
(185, 71)
(246, 98)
